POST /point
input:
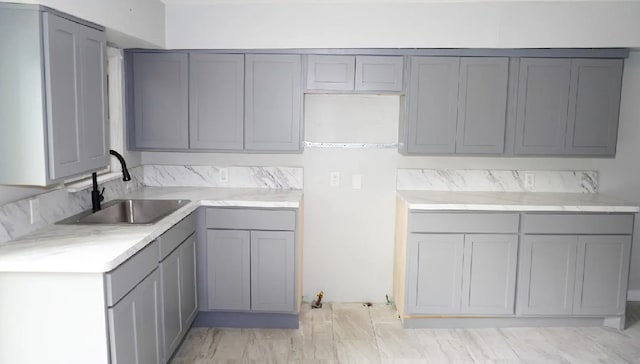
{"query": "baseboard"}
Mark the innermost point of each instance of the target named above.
(633, 295)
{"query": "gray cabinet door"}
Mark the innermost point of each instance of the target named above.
(489, 274)
(543, 101)
(273, 102)
(593, 107)
(188, 291)
(160, 100)
(229, 267)
(482, 105)
(432, 105)
(92, 98)
(170, 272)
(134, 324)
(64, 123)
(379, 73)
(434, 273)
(601, 274)
(330, 72)
(216, 101)
(272, 271)
(546, 274)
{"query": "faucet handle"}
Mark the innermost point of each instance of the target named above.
(101, 195)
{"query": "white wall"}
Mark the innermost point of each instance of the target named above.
(129, 23)
(348, 249)
(393, 24)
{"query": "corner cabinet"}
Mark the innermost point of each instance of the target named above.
(58, 118)
(214, 102)
(250, 271)
(497, 269)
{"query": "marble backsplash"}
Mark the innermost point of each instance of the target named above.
(496, 180)
(209, 176)
(57, 204)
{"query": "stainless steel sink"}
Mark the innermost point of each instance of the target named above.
(136, 212)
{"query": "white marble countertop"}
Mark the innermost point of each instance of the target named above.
(101, 248)
(516, 201)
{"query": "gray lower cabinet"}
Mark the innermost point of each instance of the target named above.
(272, 271)
(568, 106)
(229, 269)
(273, 102)
(158, 94)
(178, 284)
(574, 264)
(456, 105)
(456, 273)
(251, 263)
(216, 101)
(134, 324)
(547, 274)
(58, 65)
(602, 271)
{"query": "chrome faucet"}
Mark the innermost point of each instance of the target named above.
(98, 196)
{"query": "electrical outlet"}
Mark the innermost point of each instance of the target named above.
(34, 210)
(529, 180)
(224, 174)
(334, 179)
(356, 181)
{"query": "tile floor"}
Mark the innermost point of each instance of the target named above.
(353, 333)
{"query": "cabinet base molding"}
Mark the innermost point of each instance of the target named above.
(443, 322)
(247, 320)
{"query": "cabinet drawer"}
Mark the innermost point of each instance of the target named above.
(128, 274)
(176, 235)
(463, 222)
(577, 224)
(218, 218)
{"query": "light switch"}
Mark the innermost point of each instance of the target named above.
(334, 179)
(356, 181)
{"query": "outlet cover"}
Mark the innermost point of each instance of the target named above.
(223, 174)
(529, 181)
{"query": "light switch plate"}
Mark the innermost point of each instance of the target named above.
(34, 210)
(356, 181)
(334, 179)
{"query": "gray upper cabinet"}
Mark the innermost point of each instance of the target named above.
(601, 274)
(159, 100)
(568, 106)
(434, 273)
(273, 102)
(330, 72)
(547, 274)
(457, 105)
(355, 73)
(272, 271)
(216, 101)
(482, 105)
(432, 105)
(543, 101)
(59, 124)
(594, 104)
(379, 73)
(489, 273)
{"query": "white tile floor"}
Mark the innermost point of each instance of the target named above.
(353, 333)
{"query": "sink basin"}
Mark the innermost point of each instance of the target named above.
(131, 212)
